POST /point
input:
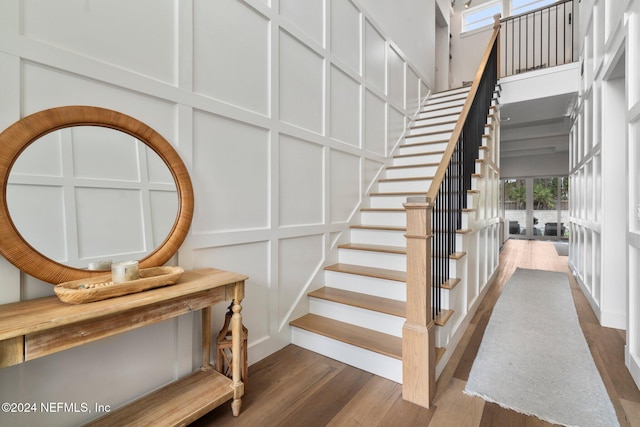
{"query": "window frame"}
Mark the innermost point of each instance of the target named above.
(477, 9)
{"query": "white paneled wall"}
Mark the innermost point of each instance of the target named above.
(284, 112)
(632, 352)
(604, 241)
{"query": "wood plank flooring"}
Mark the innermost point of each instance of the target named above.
(295, 387)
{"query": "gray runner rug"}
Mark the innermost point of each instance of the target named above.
(534, 358)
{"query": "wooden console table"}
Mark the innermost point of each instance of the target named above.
(35, 328)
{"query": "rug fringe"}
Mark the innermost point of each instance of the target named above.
(520, 411)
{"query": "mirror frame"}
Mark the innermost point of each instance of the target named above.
(17, 137)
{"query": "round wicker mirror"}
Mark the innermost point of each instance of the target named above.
(16, 138)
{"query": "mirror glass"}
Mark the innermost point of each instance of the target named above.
(87, 194)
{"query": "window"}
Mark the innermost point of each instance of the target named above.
(522, 6)
(480, 16)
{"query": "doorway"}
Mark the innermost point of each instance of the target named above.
(536, 208)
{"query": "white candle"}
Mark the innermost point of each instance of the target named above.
(124, 271)
(100, 265)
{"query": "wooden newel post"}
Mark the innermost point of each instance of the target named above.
(418, 338)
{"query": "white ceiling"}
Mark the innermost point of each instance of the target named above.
(536, 126)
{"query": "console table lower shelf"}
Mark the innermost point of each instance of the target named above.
(178, 403)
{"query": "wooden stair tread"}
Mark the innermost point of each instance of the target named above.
(418, 135)
(427, 110)
(379, 227)
(382, 209)
(436, 117)
(459, 98)
(443, 317)
(412, 178)
(380, 273)
(365, 301)
(447, 122)
(400, 193)
(440, 353)
(368, 339)
(417, 165)
(450, 284)
(462, 89)
(402, 156)
(375, 248)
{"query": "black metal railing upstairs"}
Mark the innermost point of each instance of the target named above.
(453, 178)
(540, 38)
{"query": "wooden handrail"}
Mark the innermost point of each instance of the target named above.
(432, 193)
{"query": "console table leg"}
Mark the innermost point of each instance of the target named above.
(206, 337)
(236, 331)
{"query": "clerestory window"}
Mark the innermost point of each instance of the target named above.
(481, 16)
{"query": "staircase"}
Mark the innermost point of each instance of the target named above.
(357, 317)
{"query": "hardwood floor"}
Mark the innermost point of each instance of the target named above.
(296, 387)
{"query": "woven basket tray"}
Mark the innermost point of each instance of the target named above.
(98, 288)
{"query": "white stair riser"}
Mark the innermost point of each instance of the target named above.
(373, 259)
(380, 322)
(443, 334)
(425, 114)
(366, 285)
(392, 219)
(414, 160)
(412, 172)
(414, 148)
(378, 364)
(432, 137)
(457, 267)
(416, 129)
(378, 237)
(388, 201)
(441, 103)
(457, 92)
(437, 118)
(448, 96)
(398, 186)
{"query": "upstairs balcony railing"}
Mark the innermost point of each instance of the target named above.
(538, 39)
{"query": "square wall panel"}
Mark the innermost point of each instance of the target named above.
(231, 174)
(374, 123)
(396, 79)
(250, 259)
(413, 91)
(121, 33)
(231, 54)
(157, 171)
(104, 154)
(109, 222)
(43, 157)
(345, 185)
(371, 170)
(396, 127)
(299, 259)
(163, 213)
(424, 90)
(345, 33)
(301, 182)
(375, 57)
(47, 88)
(39, 215)
(307, 16)
(344, 108)
(301, 83)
